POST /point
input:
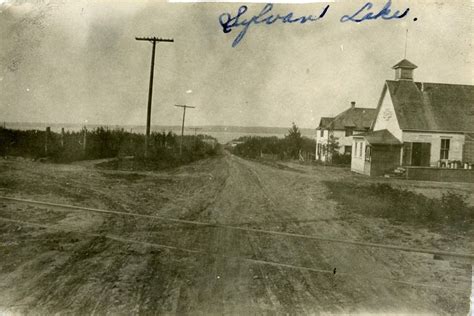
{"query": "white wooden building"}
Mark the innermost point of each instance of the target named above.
(352, 121)
(432, 122)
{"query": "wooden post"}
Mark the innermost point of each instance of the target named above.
(62, 137)
(195, 135)
(182, 133)
(46, 140)
(84, 142)
(182, 126)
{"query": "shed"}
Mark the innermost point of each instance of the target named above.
(375, 153)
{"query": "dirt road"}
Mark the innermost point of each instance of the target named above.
(76, 261)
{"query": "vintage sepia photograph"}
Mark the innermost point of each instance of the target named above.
(234, 158)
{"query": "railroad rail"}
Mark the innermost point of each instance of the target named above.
(438, 254)
(249, 260)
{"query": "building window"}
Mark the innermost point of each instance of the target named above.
(368, 153)
(360, 149)
(349, 131)
(321, 133)
(444, 153)
(347, 150)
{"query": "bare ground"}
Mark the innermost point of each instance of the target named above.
(59, 260)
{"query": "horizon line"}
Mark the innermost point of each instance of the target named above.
(143, 125)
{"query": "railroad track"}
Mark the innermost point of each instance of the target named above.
(249, 260)
(438, 254)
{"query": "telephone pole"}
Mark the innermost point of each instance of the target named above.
(152, 40)
(195, 130)
(182, 125)
(195, 134)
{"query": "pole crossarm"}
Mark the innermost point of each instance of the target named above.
(155, 39)
(184, 106)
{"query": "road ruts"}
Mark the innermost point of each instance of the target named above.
(231, 271)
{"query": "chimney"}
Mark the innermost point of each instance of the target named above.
(353, 104)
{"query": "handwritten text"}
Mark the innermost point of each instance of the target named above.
(229, 22)
(364, 13)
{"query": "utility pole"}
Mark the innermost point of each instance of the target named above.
(46, 140)
(152, 40)
(195, 134)
(62, 137)
(182, 125)
(84, 142)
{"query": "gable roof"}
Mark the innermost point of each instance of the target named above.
(432, 106)
(381, 137)
(324, 122)
(404, 63)
(359, 119)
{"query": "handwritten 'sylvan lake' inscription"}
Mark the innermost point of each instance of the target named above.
(239, 21)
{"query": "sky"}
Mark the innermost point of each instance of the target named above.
(78, 61)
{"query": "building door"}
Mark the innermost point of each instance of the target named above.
(421, 153)
(407, 154)
(468, 148)
(425, 154)
(347, 150)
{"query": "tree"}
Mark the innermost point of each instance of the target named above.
(294, 141)
(332, 147)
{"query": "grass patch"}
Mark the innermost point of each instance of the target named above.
(141, 164)
(381, 200)
(7, 183)
(276, 164)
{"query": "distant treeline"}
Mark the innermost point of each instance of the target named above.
(102, 143)
(292, 146)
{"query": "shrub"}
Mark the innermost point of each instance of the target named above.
(103, 143)
(455, 207)
(255, 146)
(401, 205)
(338, 159)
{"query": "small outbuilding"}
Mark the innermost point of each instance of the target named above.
(375, 153)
